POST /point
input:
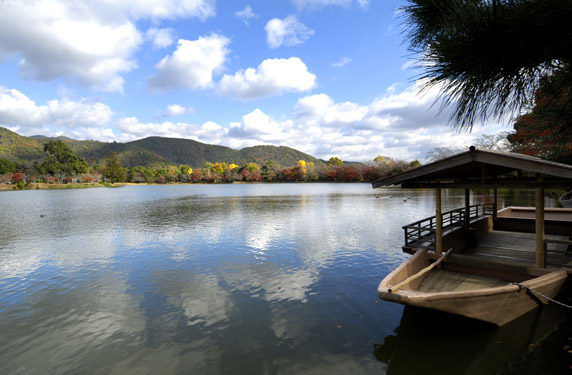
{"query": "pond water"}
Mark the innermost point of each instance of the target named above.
(241, 279)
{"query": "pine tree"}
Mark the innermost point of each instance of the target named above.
(112, 169)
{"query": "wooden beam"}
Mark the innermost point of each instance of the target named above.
(516, 161)
(495, 204)
(439, 222)
(491, 184)
(540, 252)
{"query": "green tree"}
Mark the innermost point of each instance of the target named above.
(61, 159)
(334, 160)
(415, 164)
(382, 160)
(141, 174)
(7, 166)
(270, 171)
(112, 169)
(488, 56)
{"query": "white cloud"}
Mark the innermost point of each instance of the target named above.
(261, 128)
(322, 111)
(178, 110)
(160, 38)
(192, 65)
(344, 61)
(16, 109)
(88, 43)
(287, 32)
(246, 15)
(157, 9)
(209, 132)
(273, 76)
(401, 124)
(410, 64)
(316, 4)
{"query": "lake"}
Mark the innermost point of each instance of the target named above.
(237, 279)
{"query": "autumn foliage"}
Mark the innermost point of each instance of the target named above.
(546, 131)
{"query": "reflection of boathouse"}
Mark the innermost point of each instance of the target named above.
(491, 248)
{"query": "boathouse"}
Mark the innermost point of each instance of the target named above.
(534, 237)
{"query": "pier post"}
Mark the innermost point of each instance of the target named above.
(438, 222)
(540, 252)
(467, 209)
(495, 205)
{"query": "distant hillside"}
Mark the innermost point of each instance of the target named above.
(149, 151)
(16, 147)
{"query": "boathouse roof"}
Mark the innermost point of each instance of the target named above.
(484, 169)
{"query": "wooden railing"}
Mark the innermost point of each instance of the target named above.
(488, 208)
(425, 230)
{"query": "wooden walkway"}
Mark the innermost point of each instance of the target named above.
(521, 247)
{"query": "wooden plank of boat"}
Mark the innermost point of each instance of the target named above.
(485, 298)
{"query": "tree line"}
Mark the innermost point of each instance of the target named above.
(62, 166)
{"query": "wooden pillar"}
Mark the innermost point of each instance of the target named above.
(439, 222)
(540, 253)
(495, 205)
(467, 208)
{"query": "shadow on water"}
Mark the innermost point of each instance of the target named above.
(430, 342)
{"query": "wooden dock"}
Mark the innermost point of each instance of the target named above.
(483, 242)
(521, 247)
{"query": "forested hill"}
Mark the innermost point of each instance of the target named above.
(149, 151)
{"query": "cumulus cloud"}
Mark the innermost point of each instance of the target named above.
(209, 132)
(321, 110)
(273, 76)
(260, 127)
(246, 15)
(157, 9)
(16, 109)
(88, 43)
(192, 65)
(316, 4)
(160, 38)
(287, 32)
(178, 110)
(400, 124)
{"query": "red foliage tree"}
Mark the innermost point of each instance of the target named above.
(546, 131)
(350, 174)
(17, 176)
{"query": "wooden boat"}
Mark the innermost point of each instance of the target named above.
(566, 200)
(494, 283)
(472, 294)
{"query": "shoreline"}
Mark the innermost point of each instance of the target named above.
(45, 186)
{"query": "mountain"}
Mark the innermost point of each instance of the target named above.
(150, 151)
(18, 148)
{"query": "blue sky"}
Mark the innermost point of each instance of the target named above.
(327, 77)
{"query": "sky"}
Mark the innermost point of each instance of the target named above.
(326, 77)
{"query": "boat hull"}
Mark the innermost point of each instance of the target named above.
(497, 305)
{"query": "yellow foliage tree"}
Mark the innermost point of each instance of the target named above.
(303, 169)
(219, 168)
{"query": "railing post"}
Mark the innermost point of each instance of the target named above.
(540, 249)
(439, 222)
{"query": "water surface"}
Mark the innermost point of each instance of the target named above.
(210, 279)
